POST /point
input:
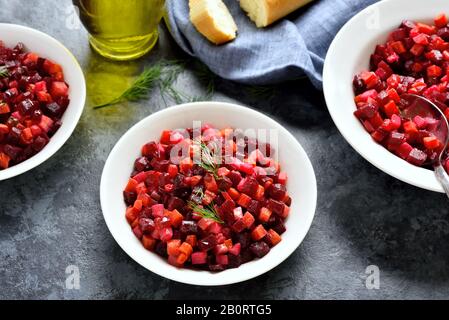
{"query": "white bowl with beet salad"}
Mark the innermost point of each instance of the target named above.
(42, 96)
(392, 52)
(208, 193)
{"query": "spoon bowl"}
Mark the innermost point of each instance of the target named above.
(437, 126)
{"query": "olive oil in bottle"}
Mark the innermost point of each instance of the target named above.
(121, 29)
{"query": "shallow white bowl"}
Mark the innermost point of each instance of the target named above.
(349, 54)
(293, 159)
(48, 47)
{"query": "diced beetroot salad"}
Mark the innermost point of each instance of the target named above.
(33, 98)
(207, 214)
(414, 60)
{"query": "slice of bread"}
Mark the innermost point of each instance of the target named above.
(265, 12)
(212, 19)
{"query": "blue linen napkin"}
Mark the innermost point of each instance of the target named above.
(293, 47)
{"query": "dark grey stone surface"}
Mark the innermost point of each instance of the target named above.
(50, 217)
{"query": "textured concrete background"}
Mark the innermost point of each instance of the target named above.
(50, 218)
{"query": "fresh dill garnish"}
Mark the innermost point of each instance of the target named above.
(3, 72)
(163, 76)
(163, 71)
(207, 212)
(205, 76)
(209, 160)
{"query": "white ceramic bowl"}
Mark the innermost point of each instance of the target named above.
(293, 159)
(349, 54)
(48, 47)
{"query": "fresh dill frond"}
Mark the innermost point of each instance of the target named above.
(207, 212)
(204, 75)
(4, 72)
(161, 72)
(209, 161)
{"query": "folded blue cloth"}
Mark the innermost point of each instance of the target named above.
(291, 48)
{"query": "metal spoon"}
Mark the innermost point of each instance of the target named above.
(420, 106)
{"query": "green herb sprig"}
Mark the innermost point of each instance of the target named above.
(148, 80)
(209, 160)
(4, 72)
(207, 212)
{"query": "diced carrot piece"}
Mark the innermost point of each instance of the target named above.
(239, 225)
(226, 196)
(174, 261)
(4, 108)
(235, 195)
(264, 214)
(138, 205)
(186, 249)
(4, 160)
(181, 259)
(131, 213)
(273, 237)
(148, 242)
(285, 212)
(175, 218)
(173, 247)
(425, 28)
(391, 108)
(194, 180)
(410, 127)
(248, 219)
(145, 198)
(228, 243)
(31, 57)
(431, 142)
(258, 233)
(259, 192)
(141, 187)
(210, 183)
(131, 186)
(191, 239)
(26, 136)
(244, 200)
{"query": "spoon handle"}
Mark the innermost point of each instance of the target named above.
(442, 177)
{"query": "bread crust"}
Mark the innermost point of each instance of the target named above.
(275, 10)
(205, 23)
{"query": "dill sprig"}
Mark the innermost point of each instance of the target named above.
(208, 211)
(203, 74)
(163, 76)
(3, 72)
(163, 71)
(209, 160)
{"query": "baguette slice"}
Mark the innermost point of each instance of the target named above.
(212, 19)
(265, 12)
